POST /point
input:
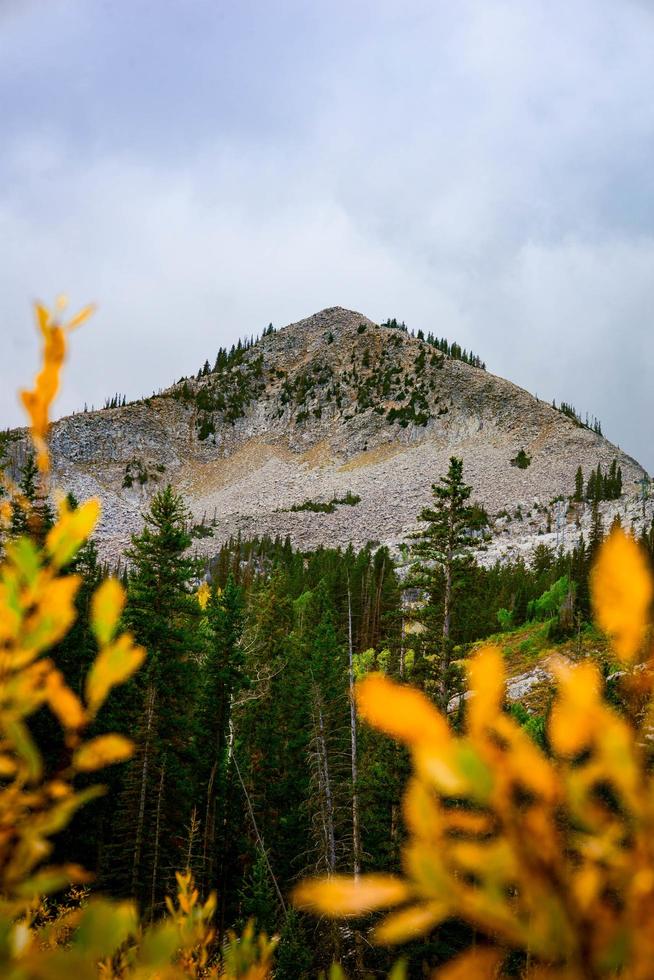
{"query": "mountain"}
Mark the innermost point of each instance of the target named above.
(339, 411)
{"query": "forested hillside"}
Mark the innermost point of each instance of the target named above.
(250, 767)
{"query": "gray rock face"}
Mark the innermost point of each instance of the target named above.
(304, 415)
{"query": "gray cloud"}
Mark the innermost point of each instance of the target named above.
(481, 169)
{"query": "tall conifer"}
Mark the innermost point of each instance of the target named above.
(163, 614)
(442, 554)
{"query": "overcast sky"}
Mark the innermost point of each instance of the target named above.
(483, 169)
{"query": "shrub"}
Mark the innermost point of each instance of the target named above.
(550, 601)
(505, 619)
(350, 499)
(521, 460)
(549, 855)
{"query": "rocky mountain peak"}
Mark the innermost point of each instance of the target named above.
(332, 429)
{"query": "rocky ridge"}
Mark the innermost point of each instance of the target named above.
(330, 408)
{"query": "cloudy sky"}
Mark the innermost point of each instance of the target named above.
(483, 169)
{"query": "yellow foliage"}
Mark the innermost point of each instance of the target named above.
(203, 594)
(105, 750)
(340, 895)
(96, 937)
(549, 854)
(37, 402)
(400, 712)
(622, 593)
(72, 529)
(106, 607)
(115, 663)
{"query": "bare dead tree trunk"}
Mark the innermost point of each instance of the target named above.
(356, 833)
(228, 785)
(377, 610)
(447, 600)
(356, 836)
(157, 829)
(209, 836)
(329, 801)
(445, 639)
(138, 839)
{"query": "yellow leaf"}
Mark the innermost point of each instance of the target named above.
(102, 751)
(71, 530)
(7, 766)
(401, 712)
(42, 317)
(529, 766)
(572, 724)
(421, 812)
(48, 880)
(81, 317)
(63, 702)
(113, 665)
(456, 768)
(37, 402)
(481, 963)
(341, 895)
(621, 588)
(54, 612)
(486, 682)
(106, 606)
(407, 924)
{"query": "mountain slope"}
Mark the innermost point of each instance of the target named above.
(331, 405)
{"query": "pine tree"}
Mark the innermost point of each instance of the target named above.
(596, 532)
(31, 514)
(442, 553)
(579, 485)
(600, 484)
(223, 675)
(163, 614)
(579, 569)
(612, 481)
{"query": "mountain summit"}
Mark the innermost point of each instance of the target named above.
(330, 430)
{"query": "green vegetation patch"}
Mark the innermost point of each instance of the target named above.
(137, 471)
(349, 500)
(521, 460)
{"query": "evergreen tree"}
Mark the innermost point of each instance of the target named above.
(647, 540)
(579, 486)
(159, 789)
(442, 562)
(223, 676)
(600, 485)
(579, 569)
(591, 486)
(596, 532)
(31, 514)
